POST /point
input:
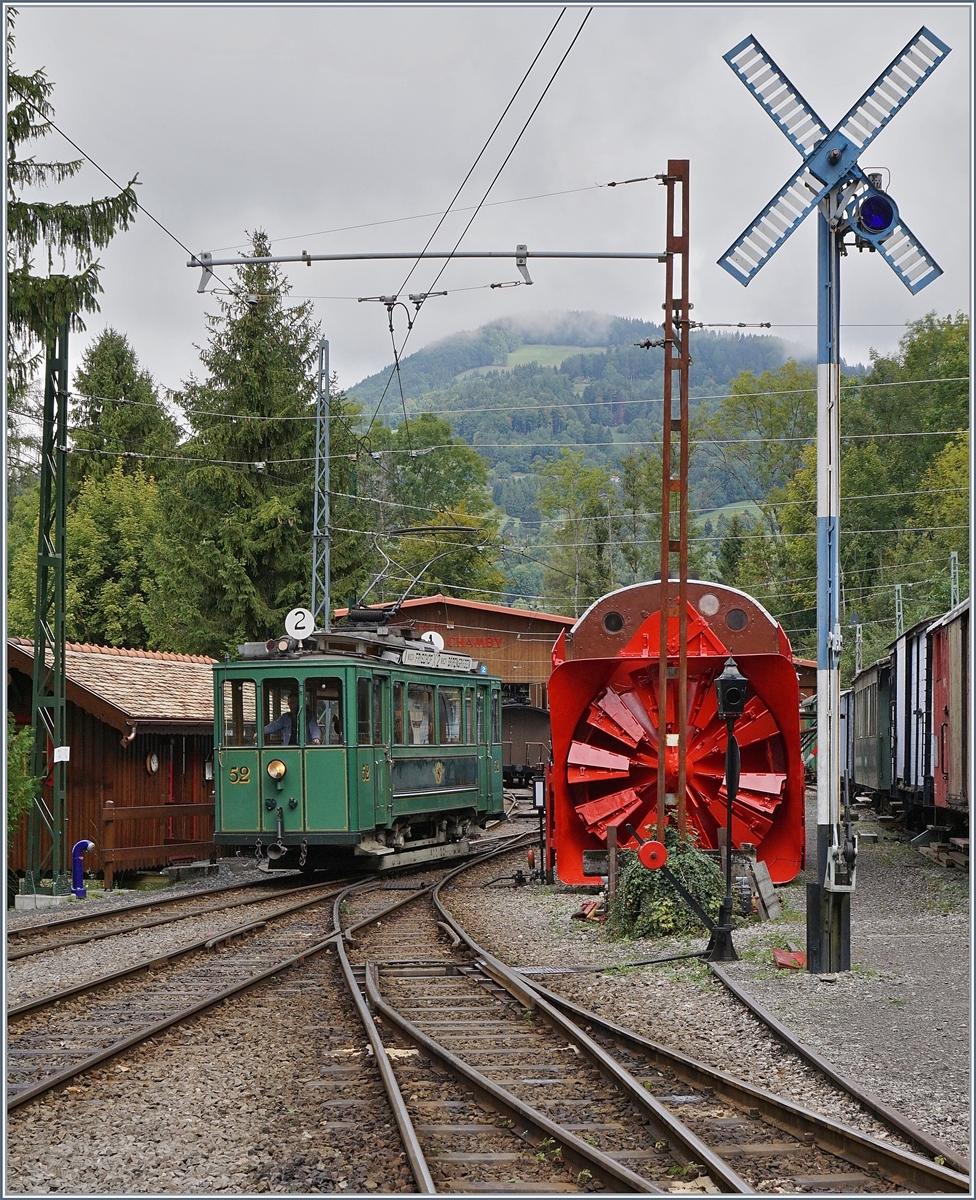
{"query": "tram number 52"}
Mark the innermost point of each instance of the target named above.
(240, 775)
(366, 773)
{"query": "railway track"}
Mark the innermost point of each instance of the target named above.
(503, 1089)
(55, 1037)
(494, 1083)
(38, 939)
(116, 911)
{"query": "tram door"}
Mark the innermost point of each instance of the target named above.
(496, 802)
(238, 779)
(365, 766)
(326, 784)
(483, 735)
(382, 750)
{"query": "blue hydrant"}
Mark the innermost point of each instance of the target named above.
(77, 867)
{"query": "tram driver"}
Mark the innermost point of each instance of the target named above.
(287, 726)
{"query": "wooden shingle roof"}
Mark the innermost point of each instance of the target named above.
(124, 687)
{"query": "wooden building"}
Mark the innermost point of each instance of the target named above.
(140, 775)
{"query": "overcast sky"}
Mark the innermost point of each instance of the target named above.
(306, 120)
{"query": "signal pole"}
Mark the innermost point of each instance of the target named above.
(829, 898)
(847, 199)
(49, 760)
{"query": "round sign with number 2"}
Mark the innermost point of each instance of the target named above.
(299, 623)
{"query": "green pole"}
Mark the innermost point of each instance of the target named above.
(48, 706)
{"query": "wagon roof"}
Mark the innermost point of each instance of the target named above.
(122, 687)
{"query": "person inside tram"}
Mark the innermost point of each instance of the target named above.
(287, 726)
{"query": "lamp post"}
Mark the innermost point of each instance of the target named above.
(730, 692)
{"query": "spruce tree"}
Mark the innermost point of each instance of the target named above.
(240, 508)
(117, 411)
(38, 303)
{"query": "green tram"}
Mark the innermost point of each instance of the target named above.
(370, 748)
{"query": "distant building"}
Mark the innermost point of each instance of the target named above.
(140, 776)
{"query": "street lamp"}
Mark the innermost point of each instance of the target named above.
(730, 692)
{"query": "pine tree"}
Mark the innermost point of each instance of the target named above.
(240, 509)
(117, 411)
(38, 303)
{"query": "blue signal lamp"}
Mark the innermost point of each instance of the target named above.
(872, 215)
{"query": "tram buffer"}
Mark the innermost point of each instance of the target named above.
(850, 201)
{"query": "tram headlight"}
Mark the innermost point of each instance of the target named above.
(277, 769)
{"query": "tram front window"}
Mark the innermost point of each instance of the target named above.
(323, 701)
(282, 713)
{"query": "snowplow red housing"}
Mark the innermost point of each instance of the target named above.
(604, 704)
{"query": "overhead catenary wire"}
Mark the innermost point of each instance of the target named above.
(444, 216)
(494, 180)
(114, 182)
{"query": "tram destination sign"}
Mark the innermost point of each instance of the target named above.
(413, 657)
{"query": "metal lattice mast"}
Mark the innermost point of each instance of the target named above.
(953, 578)
(321, 546)
(674, 479)
(48, 706)
(899, 612)
(850, 201)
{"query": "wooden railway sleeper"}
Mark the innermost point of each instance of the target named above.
(530, 1124)
(686, 1146)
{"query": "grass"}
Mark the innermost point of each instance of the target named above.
(544, 356)
(742, 508)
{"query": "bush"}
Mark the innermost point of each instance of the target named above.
(21, 785)
(646, 903)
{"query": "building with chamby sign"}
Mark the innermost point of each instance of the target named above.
(140, 772)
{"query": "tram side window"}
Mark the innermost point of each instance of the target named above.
(240, 713)
(469, 715)
(481, 716)
(449, 699)
(399, 726)
(496, 717)
(281, 716)
(364, 702)
(323, 703)
(420, 709)
(381, 724)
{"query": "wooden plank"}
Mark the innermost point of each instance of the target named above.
(158, 810)
(770, 906)
(831, 1183)
(759, 1149)
(128, 854)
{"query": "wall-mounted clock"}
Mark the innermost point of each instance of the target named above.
(152, 763)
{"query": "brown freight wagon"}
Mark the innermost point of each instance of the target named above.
(140, 776)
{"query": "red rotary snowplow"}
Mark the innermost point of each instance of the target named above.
(604, 704)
